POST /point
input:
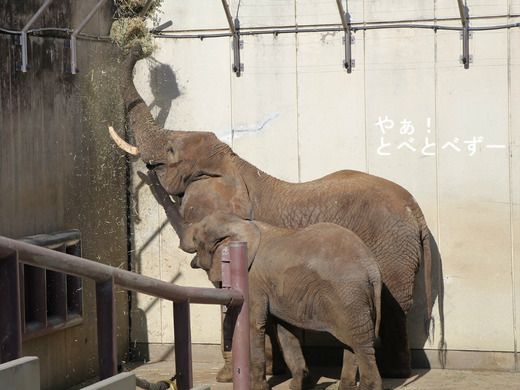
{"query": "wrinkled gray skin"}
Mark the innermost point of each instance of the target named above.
(207, 175)
(321, 277)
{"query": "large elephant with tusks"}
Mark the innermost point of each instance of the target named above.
(207, 176)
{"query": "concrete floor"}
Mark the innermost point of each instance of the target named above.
(204, 374)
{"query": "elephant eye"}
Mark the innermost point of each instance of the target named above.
(170, 150)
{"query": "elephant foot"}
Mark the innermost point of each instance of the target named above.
(301, 383)
(225, 375)
(347, 385)
(259, 385)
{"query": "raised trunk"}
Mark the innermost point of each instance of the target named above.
(147, 133)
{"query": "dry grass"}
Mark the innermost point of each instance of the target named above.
(133, 8)
(127, 32)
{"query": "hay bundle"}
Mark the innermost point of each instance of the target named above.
(127, 32)
(132, 8)
(130, 27)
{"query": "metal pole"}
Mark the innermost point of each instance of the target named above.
(23, 36)
(348, 63)
(228, 16)
(464, 17)
(182, 333)
(73, 62)
(234, 27)
(10, 313)
(241, 347)
(106, 327)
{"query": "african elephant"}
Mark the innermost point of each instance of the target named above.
(320, 277)
(207, 175)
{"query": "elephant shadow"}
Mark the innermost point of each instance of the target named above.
(164, 88)
(421, 330)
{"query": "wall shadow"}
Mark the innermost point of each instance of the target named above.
(421, 330)
(164, 87)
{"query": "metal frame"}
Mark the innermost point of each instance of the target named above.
(13, 252)
(23, 35)
(348, 39)
(466, 58)
(234, 28)
(72, 68)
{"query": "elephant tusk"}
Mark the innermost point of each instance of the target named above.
(133, 150)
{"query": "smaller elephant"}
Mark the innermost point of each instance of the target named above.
(320, 277)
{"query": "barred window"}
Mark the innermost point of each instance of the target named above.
(51, 301)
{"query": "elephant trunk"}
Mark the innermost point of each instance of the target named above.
(179, 224)
(147, 133)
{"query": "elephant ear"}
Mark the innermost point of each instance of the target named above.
(250, 233)
(234, 228)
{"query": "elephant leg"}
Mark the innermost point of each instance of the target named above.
(273, 356)
(293, 355)
(369, 378)
(394, 359)
(348, 379)
(257, 323)
(274, 363)
(225, 374)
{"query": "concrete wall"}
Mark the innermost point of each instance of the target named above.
(408, 112)
(58, 167)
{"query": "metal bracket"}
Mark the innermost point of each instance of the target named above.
(465, 58)
(348, 39)
(72, 68)
(23, 37)
(234, 27)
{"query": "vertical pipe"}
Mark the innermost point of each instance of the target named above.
(23, 34)
(464, 16)
(10, 315)
(241, 348)
(73, 61)
(229, 314)
(182, 333)
(106, 327)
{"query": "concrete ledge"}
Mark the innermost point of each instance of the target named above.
(20, 374)
(123, 381)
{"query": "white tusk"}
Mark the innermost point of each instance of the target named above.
(133, 150)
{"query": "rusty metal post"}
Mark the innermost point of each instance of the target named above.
(182, 333)
(106, 327)
(229, 313)
(10, 314)
(240, 346)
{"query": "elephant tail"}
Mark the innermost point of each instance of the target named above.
(427, 258)
(377, 285)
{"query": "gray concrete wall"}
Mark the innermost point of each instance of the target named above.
(58, 167)
(408, 112)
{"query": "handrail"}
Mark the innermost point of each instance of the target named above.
(72, 265)
(13, 252)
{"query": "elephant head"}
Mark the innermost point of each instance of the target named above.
(178, 157)
(218, 230)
